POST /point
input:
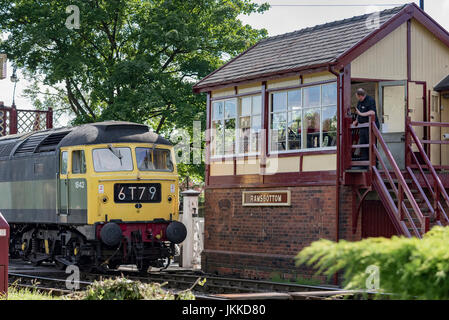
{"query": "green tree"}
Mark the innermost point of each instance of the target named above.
(44, 98)
(133, 60)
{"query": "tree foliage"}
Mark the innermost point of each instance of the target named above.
(408, 268)
(133, 60)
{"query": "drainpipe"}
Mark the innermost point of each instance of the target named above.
(337, 188)
(337, 206)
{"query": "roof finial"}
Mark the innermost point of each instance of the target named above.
(421, 4)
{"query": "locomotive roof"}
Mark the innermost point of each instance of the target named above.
(111, 132)
(87, 134)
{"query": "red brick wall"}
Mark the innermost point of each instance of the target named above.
(346, 219)
(255, 242)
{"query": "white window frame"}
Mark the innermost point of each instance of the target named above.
(238, 101)
(321, 106)
(239, 116)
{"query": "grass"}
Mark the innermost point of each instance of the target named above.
(276, 277)
(15, 293)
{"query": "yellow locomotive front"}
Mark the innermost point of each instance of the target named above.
(131, 182)
(129, 191)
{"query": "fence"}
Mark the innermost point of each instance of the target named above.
(13, 121)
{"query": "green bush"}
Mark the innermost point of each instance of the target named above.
(408, 268)
(124, 289)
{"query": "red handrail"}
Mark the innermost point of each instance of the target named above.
(403, 188)
(400, 211)
(430, 124)
(389, 203)
(421, 191)
(439, 188)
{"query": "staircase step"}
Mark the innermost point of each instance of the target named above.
(418, 200)
(424, 211)
(357, 170)
(413, 191)
(412, 232)
(417, 222)
(420, 204)
(408, 181)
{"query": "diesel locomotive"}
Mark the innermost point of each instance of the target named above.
(97, 195)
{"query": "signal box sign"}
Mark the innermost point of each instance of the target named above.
(266, 198)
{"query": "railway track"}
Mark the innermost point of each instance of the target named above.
(219, 285)
(214, 288)
(54, 285)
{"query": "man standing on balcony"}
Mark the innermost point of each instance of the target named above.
(366, 107)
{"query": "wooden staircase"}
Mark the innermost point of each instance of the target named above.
(415, 199)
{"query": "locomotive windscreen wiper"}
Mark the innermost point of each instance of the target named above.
(116, 153)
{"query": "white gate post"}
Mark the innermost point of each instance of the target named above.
(190, 209)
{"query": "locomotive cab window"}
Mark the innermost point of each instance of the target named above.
(154, 160)
(64, 162)
(78, 162)
(112, 159)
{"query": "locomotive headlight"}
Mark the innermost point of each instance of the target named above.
(104, 199)
(170, 199)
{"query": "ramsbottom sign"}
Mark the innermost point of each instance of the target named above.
(266, 198)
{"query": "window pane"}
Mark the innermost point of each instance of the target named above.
(255, 140)
(329, 92)
(245, 122)
(218, 111)
(256, 123)
(279, 101)
(329, 127)
(312, 128)
(152, 160)
(245, 127)
(230, 137)
(257, 105)
(246, 107)
(311, 97)
(278, 120)
(230, 109)
(64, 162)
(278, 132)
(256, 133)
(217, 138)
(294, 130)
(294, 99)
(78, 162)
(244, 141)
(278, 140)
(117, 159)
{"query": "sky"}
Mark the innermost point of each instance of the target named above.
(284, 16)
